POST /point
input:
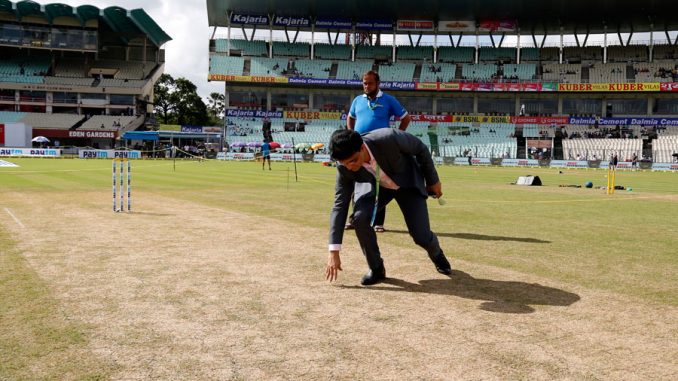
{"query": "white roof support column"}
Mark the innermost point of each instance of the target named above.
(605, 45)
(393, 54)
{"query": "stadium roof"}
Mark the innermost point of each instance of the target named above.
(128, 24)
(535, 16)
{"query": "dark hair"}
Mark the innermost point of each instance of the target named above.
(345, 143)
(372, 73)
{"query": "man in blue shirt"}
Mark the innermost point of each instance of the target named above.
(371, 111)
(265, 154)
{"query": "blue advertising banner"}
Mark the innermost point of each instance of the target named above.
(330, 23)
(243, 19)
(351, 82)
(624, 121)
(302, 22)
(374, 25)
(664, 167)
(253, 114)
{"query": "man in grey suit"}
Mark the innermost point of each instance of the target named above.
(405, 172)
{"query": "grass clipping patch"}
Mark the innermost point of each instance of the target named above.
(36, 340)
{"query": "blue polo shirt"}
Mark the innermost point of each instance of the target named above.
(372, 115)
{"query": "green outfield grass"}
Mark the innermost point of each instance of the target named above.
(623, 243)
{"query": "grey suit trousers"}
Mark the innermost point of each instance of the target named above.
(415, 211)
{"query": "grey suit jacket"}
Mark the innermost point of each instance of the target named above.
(400, 155)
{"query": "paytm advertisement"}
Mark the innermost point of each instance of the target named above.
(108, 154)
(34, 152)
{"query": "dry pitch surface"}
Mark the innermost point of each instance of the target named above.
(179, 290)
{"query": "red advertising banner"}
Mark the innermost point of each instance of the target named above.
(415, 25)
(540, 120)
(532, 87)
(470, 86)
(2, 134)
(669, 86)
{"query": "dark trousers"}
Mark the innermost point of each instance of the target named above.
(415, 211)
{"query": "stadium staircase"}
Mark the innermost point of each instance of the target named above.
(585, 75)
(333, 70)
(417, 73)
(133, 125)
(647, 148)
(433, 139)
(457, 74)
(520, 141)
(558, 146)
(630, 73)
(79, 123)
(246, 68)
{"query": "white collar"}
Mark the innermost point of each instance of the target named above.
(379, 94)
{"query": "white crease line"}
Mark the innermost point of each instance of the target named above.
(14, 217)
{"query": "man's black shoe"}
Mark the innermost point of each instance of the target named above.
(442, 265)
(373, 277)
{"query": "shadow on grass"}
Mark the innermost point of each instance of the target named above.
(479, 237)
(497, 296)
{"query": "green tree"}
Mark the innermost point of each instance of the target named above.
(215, 106)
(177, 101)
(190, 108)
(162, 101)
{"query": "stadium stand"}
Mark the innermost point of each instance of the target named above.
(456, 55)
(627, 54)
(504, 55)
(566, 73)
(353, 70)
(268, 66)
(549, 55)
(529, 55)
(655, 72)
(438, 72)
(582, 54)
(373, 52)
(220, 64)
(418, 53)
(313, 68)
(125, 69)
(288, 49)
(601, 149)
(665, 52)
(332, 52)
(68, 81)
(106, 122)
(478, 71)
(255, 48)
(524, 72)
(484, 140)
(51, 121)
(70, 68)
(608, 73)
(666, 146)
(397, 71)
